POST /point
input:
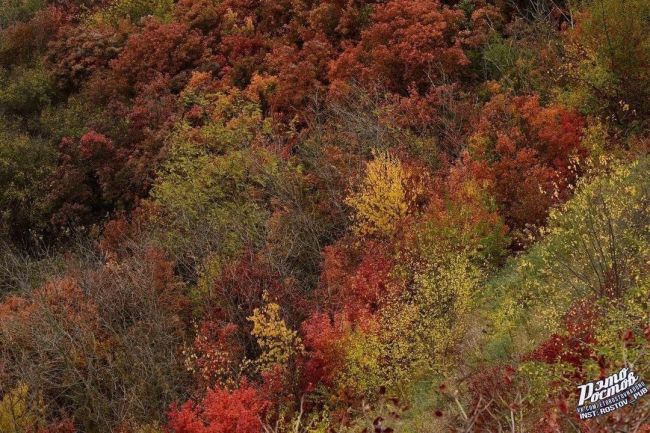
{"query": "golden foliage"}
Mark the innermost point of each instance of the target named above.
(278, 343)
(382, 200)
(15, 414)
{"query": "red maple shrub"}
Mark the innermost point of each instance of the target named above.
(410, 43)
(221, 411)
(573, 347)
(71, 66)
(528, 154)
(171, 50)
(322, 337)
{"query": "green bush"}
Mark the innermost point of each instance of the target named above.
(12, 11)
(25, 90)
(25, 165)
(610, 67)
(596, 247)
(133, 10)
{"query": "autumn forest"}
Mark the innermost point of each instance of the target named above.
(322, 216)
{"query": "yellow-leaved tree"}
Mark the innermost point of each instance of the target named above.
(382, 200)
(279, 344)
(15, 413)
